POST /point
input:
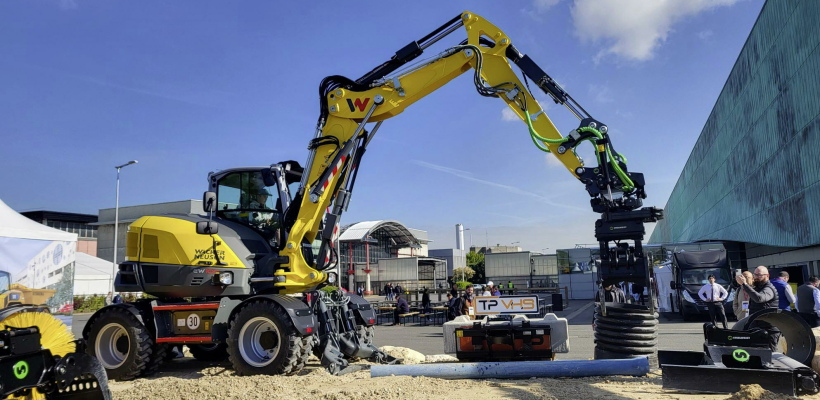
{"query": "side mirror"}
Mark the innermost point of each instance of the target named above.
(267, 177)
(673, 285)
(207, 227)
(209, 202)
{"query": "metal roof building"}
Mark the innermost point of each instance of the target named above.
(363, 244)
(753, 176)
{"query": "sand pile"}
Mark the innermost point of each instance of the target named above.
(755, 392)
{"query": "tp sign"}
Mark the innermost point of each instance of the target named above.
(506, 305)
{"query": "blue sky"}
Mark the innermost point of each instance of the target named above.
(188, 87)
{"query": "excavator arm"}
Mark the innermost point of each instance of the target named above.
(347, 106)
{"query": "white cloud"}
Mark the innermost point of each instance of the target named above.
(544, 5)
(68, 4)
(633, 29)
(705, 34)
(601, 93)
(512, 189)
(553, 161)
(508, 115)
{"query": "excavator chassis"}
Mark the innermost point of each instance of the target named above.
(263, 334)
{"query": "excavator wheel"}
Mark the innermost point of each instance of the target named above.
(159, 354)
(263, 340)
(209, 352)
(366, 334)
(122, 344)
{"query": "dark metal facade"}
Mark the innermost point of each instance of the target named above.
(753, 173)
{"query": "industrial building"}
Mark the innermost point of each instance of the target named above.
(81, 224)
(367, 250)
(752, 178)
(523, 269)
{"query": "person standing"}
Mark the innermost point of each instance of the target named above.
(740, 305)
(510, 286)
(808, 302)
(714, 295)
(486, 291)
(451, 307)
(398, 290)
(762, 295)
(454, 291)
(425, 303)
(464, 303)
(612, 294)
(784, 291)
(109, 299)
(117, 299)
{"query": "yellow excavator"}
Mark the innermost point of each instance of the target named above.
(242, 282)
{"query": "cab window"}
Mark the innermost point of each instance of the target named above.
(243, 197)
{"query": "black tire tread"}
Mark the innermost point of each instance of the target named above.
(144, 344)
(293, 343)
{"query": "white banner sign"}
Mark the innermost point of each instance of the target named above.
(492, 305)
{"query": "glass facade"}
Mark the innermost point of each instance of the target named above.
(82, 230)
(753, 173)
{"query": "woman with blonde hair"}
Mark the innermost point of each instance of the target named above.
(741, 303)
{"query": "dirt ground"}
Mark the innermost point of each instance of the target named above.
(184, 379)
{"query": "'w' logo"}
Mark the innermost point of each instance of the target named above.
(358, 104)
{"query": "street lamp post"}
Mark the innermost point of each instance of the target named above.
(117, 223)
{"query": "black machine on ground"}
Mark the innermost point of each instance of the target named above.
(742, 355)
(690, 271)
(38, 358)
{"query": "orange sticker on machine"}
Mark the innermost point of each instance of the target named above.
(492, 305)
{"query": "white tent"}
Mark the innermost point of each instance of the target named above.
(663, 275)
(36, 256)
(92, 275)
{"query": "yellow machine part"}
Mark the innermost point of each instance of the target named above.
(36, 297)
(54, 336)
(168, 240)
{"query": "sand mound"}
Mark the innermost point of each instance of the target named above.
(755, 392)
(409, 356)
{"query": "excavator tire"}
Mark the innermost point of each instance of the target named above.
(209, 352)
(121, 343)
(366, 334)
(159, 354)
(263, 341)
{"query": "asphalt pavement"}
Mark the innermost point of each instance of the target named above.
(674, 333)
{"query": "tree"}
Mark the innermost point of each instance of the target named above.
(476, 262)
(465, 272)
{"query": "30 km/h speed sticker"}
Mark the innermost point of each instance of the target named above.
(193, 322)
(506, 305)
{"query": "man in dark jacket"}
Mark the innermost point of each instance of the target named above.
(454, 291)
(425, 302)
(401, 307)
(398, 289)
(761, 296)
(388, 292)
(808, 302)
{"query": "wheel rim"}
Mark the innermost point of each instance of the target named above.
(112, 345)
(259, 341)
